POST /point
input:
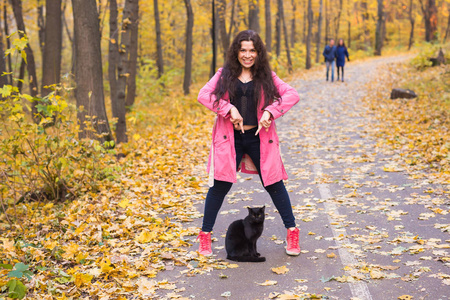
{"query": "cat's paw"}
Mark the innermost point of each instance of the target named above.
(258, 254)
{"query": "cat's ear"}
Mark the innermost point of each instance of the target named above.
(263, 208)
(249, 209)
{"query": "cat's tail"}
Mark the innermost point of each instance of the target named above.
(246, 258)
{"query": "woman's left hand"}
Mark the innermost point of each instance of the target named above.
(265, 121)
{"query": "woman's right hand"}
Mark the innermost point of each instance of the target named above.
(236, 118)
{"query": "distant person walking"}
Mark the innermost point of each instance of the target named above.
(330, 55)
(341, 53)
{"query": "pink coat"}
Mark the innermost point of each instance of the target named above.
(222, 157)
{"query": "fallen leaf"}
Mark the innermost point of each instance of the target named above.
(280, 270)
(268, 282)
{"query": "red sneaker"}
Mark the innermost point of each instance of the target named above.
(292, 240)
(205, 243)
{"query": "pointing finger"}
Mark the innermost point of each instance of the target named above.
(259, 128)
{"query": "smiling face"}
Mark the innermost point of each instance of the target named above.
(247, 54)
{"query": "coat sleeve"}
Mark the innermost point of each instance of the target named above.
(289, 97)
(346, 53)
(206, 98)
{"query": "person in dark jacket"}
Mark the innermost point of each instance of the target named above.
(330, 55)
(341, 53)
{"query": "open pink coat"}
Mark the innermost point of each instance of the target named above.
(222, 157)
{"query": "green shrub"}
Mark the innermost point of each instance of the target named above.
(422, 60)
(41, 156)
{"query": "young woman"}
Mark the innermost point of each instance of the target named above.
(341, 53)
(247, 97)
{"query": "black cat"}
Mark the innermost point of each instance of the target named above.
(240, 241)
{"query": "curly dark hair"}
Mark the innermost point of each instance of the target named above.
(261, 72)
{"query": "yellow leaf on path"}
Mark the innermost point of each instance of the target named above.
(280, 270)
(95, 272)
(375, 274)
(80, 256)
(105, 265)
(124, 203)
(70, 251)
(146, 286)
(8, 245)
(146, 236)
(331, 255)
(405, 297)
(288, 297)
(232, 266)
(82, 279)
(268, 282)
(63, 297)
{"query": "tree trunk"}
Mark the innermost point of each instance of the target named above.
(8, 42)
(379, 29)
(69, 36)
(129, 18)
(327, 23)
(222, 28)
(3, 78)
(447, 31)
(113, 54)
(309, 36)
(278, 31)
(239, 18)
(133, 59)
(41, 25)
(253, 15)
(189, 41)
(293, 23)
(232, 21)
(51, 66)
(286, 41)
(88, 71)
(349, 42)
(31, 66)
(305, 17)
(159, 53)
(268, 15)
(365, 19)
(319, 31)
(350, 7)
(429, 11)
(338, 20)
(214, 39)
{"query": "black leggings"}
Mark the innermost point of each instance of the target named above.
(342, 69)
(249, 144)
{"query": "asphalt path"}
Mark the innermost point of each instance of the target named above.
(366, 232)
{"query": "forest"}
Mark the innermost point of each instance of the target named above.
(101, 136)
